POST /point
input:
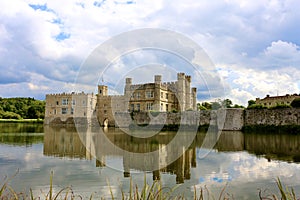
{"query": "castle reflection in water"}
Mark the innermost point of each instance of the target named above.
(88, 143)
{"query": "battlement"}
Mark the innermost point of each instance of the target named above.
(69, 94)
(180, 76)
(128, 81)
(141, 86)
(188, 78)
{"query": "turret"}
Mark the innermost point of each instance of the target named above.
(194, 98)
(157, 79)
(127, 86)
(188, 103)
(102, 90)
(181, 90)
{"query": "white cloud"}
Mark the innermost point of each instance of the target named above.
(256, 44)
(283, 50)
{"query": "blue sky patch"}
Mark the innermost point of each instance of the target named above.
(126, 2)
(99, 3)
(57, 21)
(62, 36)
(41, 7)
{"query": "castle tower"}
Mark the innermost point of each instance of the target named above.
(102, 90)
(128, 83)
(157, 90)
(181, 90)
(157, 79)
(194, 98)
(188, 104)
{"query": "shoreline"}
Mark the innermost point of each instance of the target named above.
(40, 121)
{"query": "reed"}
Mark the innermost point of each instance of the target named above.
(154, 191)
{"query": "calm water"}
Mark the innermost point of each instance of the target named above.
(89, 161)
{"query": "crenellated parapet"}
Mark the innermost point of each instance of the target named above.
(188, 78)
(68, 94)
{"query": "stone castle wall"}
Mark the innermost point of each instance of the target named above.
(225, 119)
(275, 117)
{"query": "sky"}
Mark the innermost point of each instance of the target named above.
(253, 45)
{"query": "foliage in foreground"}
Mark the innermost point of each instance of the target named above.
(149, 192)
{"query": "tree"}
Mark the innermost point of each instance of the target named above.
(206, 105)
(238, 106)
(251, 102)
(256, 106)
(296, 103)
(21, 108)
(215, 105)
(226, 103)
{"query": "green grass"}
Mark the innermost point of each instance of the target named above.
(155, 191)
(21, 121)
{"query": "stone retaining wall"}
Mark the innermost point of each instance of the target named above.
(225, 119)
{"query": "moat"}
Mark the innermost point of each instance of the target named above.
(245, 162)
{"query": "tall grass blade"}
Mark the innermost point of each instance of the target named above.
(282, 192)
(91, 197)
(144, 190)
(222, 191)
(31, 194)
(110, 190)
(130, 189)
(3, 188)
(51, 186)
(201, 194)
(13, 192)
(150, 193)
(293, 194)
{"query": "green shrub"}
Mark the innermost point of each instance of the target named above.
(278, 106)
(256, 106)
(9, 115)
(174, 111)
(154, 113)
(296, 103)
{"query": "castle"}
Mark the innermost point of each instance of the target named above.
(269, 101)
(156, 96)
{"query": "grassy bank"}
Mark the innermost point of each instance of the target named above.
(21, 121)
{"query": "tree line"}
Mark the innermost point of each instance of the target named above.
(227, 103)
(21, 108)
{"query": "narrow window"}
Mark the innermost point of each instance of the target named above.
(64, 111)
(149, 106)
